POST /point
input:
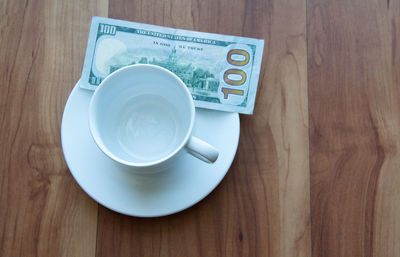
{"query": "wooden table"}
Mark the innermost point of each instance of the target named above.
(317, 172)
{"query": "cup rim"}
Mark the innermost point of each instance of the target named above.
(99, 142)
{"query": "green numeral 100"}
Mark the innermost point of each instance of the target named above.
(107, 29)
(241, 77)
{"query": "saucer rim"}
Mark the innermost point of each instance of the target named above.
(160, 214)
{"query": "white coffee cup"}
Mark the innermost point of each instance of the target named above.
(142, 116)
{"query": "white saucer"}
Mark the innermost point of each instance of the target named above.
(187, 182)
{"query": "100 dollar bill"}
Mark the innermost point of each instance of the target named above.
(220, 71)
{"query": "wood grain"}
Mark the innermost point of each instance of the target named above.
(43, 211)
(262, 206)
(354, 99)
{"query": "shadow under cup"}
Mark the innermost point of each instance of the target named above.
(141, 114)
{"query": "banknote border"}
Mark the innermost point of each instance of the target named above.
(251, 95)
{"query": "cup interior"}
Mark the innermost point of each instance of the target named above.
(141, 115)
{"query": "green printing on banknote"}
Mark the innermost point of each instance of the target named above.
(202, 63)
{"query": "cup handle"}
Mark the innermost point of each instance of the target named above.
(202, 150)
